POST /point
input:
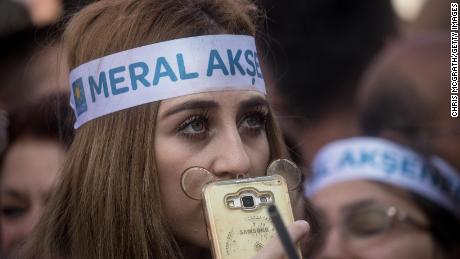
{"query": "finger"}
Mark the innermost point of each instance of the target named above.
(274, 249)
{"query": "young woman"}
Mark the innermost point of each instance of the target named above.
(37, 142)
(147, 114)
(382, 200)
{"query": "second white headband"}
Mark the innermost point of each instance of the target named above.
(368, 158)
(164, 70)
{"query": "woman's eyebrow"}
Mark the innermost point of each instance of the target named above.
(13, 194)
(190, 105)
(252, 102)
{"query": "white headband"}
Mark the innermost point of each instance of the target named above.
(164, 70)
(384, 161)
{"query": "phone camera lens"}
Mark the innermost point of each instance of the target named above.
(248, 201)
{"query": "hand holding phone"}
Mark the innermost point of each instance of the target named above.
(236, 214)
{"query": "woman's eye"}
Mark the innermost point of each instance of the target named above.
(253, 122)
(368, 223)
(12, 212)
(195, 126)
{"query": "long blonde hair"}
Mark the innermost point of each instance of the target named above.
(108, 202)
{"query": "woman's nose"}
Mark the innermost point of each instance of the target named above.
(231, 158)
(32, 219)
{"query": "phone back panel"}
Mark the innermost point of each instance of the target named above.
(239, 233)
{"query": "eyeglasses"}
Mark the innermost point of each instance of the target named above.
(376, 220)
(364, 223)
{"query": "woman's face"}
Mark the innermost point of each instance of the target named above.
(223, 132)
(354, 224)
(29, 171)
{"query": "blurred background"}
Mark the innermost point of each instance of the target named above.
(335, 69)
(35, 118)
(319, 52)
(341, 69)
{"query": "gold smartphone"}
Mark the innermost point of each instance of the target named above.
(236, 214)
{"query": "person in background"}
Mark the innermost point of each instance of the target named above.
(38, 137)
(405, 97)
(381, 200)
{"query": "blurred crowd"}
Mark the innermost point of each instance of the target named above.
(362, 96)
